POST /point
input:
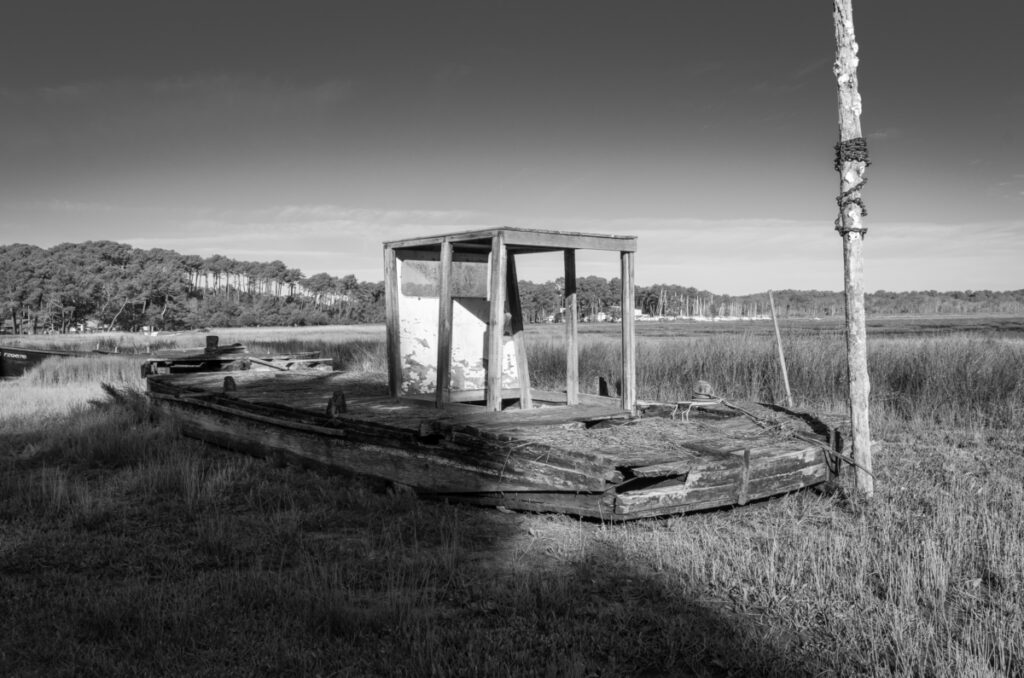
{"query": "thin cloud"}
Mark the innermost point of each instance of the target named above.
(732, 256)
(887, 133)
(1012, 188)
(815, 67)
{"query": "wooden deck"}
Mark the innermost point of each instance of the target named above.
(591, 459)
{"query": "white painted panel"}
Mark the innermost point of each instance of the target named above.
(417, 332)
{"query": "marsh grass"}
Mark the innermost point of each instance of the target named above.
(111, 369)
(126, 549)
(958, 380)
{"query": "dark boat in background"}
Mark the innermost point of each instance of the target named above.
(15, 361)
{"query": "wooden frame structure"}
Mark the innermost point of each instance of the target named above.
(458, 417)
(438, 286)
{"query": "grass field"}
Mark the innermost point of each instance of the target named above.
(126, 549)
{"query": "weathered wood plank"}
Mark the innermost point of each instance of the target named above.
(784, 458)
(768, 486)
(665, 469)
(715, 445)
(533, 460)
(628, 456)
(691, 506)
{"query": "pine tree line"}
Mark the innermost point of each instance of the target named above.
(109, 285)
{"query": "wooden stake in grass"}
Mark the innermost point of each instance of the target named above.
(782, 355)
(851, 162)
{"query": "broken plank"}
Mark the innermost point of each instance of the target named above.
(677, 496)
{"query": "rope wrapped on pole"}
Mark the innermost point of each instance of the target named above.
(852, 151)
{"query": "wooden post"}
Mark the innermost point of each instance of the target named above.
(572, 351)
(391, 287)
(444, 327)
(515, 309)
(628, 335)
(851, 162)
(782, 355)
(496, 323)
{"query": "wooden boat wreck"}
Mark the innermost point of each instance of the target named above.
(457, 417)
(233, 357)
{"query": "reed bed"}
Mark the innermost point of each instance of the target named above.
(111, 369)
(954, 380)
(127, 549)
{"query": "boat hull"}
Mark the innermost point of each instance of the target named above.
(15, 361)
(589, 460)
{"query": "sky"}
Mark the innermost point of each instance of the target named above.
(311, 132)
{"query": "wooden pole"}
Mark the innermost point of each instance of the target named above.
(572, 355)
(851, 162)
(391, 288)
(628, 333)
(444, 327)
(782, 355)
(496, 323)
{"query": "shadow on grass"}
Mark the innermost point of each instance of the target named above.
(602, 610)
(129, 550)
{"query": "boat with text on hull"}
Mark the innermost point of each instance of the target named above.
(16, 361)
